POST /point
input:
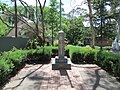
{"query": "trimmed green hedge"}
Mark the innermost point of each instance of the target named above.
(54, 50)
(12, 61)
(107, 60)
(42, 55)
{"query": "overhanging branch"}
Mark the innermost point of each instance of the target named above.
(5, 23)
(24, 3)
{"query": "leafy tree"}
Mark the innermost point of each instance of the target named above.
(3, 7)
(52, 18)
(114, 12)
(3, 29)
(75, 32)
(104, 25)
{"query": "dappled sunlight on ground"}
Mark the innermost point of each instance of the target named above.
(80, 77)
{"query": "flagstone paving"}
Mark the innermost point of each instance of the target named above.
(80, 77)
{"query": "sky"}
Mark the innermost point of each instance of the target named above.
(68, 4)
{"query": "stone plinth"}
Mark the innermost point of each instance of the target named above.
(64, 64)
(61, 62)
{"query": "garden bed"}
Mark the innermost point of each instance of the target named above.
(11, 62)
(106, 60)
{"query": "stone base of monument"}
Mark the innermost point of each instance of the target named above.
(61, 64)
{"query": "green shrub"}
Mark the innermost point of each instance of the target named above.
(107, 48)
(15, 56)
(55, 43)
(10, 62)
(80, 54)
(67, 52)
(107, 60)
(54, 50)
(42, 55)
(6, 67)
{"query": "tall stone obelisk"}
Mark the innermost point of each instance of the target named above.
(61, 61)
(60, 47)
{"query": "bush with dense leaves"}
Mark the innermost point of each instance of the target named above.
(107, 60)
(11, 62)
(42, 55)
(54, 50)
(6, 67)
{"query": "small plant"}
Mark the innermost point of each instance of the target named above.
(55, 43)
(33, 44)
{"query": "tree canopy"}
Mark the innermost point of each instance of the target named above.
(104, 19)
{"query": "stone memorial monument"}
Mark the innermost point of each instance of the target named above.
(61, 61)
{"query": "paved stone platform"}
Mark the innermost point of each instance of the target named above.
(80, 77)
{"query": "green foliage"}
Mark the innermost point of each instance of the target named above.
(52, 19)
(15, 57)
(41, 55)
(3, 29)
(108, 48)
(9, 62)
(107, 60)
(54, 50)
(82, 55)
(12, 61)
(6, 68)
(3, 6)
(33, 44)
(55, 43)
(76, 31)
(105, 24)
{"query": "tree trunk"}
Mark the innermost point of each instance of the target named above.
(42, 16)
(118, 20)
(15, 18)
(43, 27)
(37, 31)
(91, 25)
(52, 34)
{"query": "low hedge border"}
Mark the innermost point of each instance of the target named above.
(54, 50)
(11, 62)
(107, 60)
